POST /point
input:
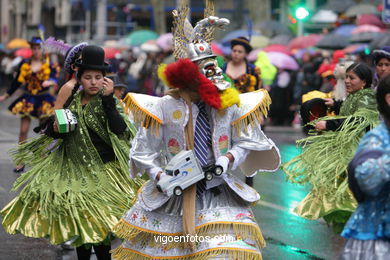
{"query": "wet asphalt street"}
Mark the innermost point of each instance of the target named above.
(287, 235)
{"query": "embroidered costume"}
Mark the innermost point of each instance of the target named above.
(247, 82)
(36, 101)
(222, 218)
(368, 229)
(325, 157)
(74, 189)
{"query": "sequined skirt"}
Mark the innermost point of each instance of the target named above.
(225, 227)
(86, 217)
(366, 250)
(36, 106)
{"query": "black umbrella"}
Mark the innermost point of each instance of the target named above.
(282, 39)
(365, 37)
(333, 41)
(378, 43)
(338, 6)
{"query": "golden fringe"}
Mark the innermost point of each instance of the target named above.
(130, 232)
(122, 253)
(141, 115)
(255, 115)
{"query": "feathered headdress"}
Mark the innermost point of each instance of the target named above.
(194, 43)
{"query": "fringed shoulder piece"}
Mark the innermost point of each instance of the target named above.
(144, 110)
(253, 105)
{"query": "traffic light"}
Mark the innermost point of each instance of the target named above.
(301, 13)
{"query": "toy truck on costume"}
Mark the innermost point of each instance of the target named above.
(183, 171)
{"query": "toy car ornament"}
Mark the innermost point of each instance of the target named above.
(183, 171)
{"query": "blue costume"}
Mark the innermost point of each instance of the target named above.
(36, 100)
(368, 229)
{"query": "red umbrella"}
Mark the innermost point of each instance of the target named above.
(24, 52)
(277, 48)
(110, 52)
(304, 41)
(369, 19)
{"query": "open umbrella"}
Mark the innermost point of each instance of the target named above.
(345, 29)
(24, 53)
(355, 48)
(365, 37)
(259, 41)
(17, 43)
(165, 41)
(282, 61)
(324, 16)
(359, 9)
(137, 38)
(382, 40)
(304, 41)
(333, 41)
(369, 19)
(252, 56)
(282, 39)
(367, 28)
(277, 48)
(109, 52)
(338, 6)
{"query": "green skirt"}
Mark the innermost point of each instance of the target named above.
(85, 215)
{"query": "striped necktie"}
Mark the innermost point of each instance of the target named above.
(202, 138)
(202, 142)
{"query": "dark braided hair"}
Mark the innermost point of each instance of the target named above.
(381, 92)
(363, 71)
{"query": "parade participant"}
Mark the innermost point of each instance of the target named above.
(245, 75)
(382, 64)
(325, 156)
(199, 114)
(368, 230)
(35, 77)
(71, 54)
(78, 187)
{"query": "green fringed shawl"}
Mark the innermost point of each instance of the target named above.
(325, 157)
(68, 180)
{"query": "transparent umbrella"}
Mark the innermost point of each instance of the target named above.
(137, 38)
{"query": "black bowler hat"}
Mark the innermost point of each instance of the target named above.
(35, 41)
(241, 41)
(92, 57)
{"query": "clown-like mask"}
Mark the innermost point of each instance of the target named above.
(209, 67)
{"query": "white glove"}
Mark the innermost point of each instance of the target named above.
(223, 161)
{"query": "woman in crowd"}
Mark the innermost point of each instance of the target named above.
(382, 64)
(368, 229)
(35, 77)
(245, 75)
(325, 156)
(78, 187)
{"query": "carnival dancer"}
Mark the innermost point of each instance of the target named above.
(200, 113)
(35, 77)
(368, 229)
(325, 156)
(245, 75)
(78, 187)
